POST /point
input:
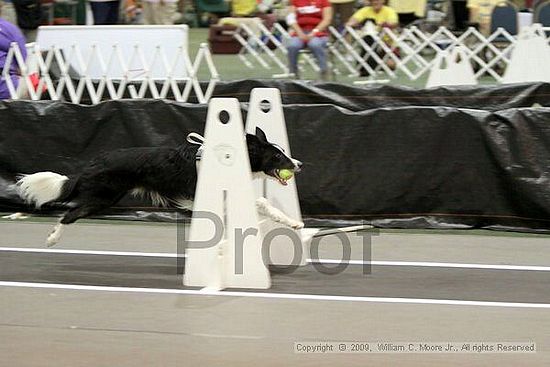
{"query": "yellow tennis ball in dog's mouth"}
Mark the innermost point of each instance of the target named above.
(285, 174)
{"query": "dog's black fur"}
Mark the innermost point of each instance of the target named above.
(169, 172)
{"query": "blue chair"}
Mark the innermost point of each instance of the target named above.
(505, 15)
(542, 14)
(536, 4)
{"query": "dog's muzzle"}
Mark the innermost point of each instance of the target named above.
(297, 165)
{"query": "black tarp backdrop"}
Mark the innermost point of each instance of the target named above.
(489, 98)
(388, 163)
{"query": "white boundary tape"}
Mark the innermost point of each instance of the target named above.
(310, 261)
(289, 296)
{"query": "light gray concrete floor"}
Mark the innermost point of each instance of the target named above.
(60, 327)
(487, 248)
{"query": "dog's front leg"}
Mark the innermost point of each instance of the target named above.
(266, 209)
(183, 204)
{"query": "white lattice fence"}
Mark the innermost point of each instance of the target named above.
(417, 51)
(65, 72)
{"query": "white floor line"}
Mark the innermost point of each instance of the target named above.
(437, 264)
(317, 261)
(311, 297)
(88, 252)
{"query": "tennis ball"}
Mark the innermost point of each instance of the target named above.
(286, 174)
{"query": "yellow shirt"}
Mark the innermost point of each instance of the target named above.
(385, 15)
(243, 7)
(484, 9)
(418, 7)
(480, 12)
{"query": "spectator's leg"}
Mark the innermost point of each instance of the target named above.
(148, 12)
(336, 16)
(267, 19)
(370, 61)
(460, 14)
(407, 18)
(112, 16)
(100, 11)
(341, 12)
(97, 12)
(8, 11)
(318, 46)
(167, 13)
(347, 11)
(295, 44)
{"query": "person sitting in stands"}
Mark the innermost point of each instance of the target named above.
(383, 17)
(10, 33)
(408, 10)
(250, 9)
(480, 14)
(161, 12)
(308, 21)
(243, 8)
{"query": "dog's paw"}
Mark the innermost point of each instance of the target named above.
(297, 225)
(15, 216)
(262, 202)
(52, 240)
(53, 237)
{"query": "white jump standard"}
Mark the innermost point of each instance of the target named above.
(225, 189)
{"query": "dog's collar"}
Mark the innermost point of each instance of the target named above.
(196, 139)
(198, 155)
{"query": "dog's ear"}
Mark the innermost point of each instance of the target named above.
(261, 135)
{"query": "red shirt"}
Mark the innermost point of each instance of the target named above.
(309, 13)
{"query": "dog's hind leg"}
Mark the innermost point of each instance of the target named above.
(54, 235)
(71, 216)
(15, 216)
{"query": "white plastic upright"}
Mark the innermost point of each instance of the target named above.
(266, 112)
(224, 189)
(530, 58)
(451, 68)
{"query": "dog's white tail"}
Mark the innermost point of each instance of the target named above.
(40, 188)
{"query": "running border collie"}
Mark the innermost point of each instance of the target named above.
(167, 175)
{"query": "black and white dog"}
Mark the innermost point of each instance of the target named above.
(167, 175)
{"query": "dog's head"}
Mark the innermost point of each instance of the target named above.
(268, 158)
